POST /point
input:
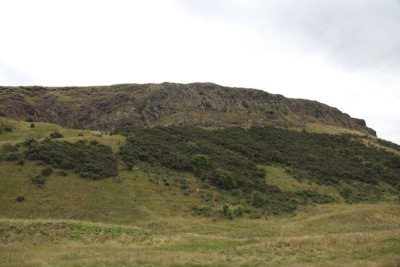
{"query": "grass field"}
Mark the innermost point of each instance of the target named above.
(143, 218)
(333, 235)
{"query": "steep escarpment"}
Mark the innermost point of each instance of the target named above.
(196, 104)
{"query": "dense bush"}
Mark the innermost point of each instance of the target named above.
(223, 179)
(187, 149)
(200, 163)
(89, 160)
(274, 202)
(324, 159)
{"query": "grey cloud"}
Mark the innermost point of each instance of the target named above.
(358, 34)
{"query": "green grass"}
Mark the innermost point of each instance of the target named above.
(329, 129)
(279, 177)
(361, 235)
(131, 197)
(21, 131)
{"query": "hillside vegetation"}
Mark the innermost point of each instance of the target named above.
(186, 196)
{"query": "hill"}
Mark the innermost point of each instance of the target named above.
(196, 104)
(290, 189)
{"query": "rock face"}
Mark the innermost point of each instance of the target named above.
(201, 104)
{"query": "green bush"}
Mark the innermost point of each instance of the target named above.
(227, 212)
(200, 162)
(238, 211)
(95, 161)
(223, 179)
(9, 148)
(38, 180)
(11, 156)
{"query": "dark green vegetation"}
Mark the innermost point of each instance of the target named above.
(228, 159)
(88, 159)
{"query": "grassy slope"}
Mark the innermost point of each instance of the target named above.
(136, 219)
(21, 131)
(333, 235)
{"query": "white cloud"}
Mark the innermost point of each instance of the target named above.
(343, 53)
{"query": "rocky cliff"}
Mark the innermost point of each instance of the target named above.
(202, 104)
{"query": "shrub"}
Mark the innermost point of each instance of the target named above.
(10, 156)
(200, 162)
(227, 212)
(223, 179)
(257, 199)
(129, 165)
(5, 128)
(38, 180)
(94, 142)
(238, 211)
(55, 135)
(20, 198)
(9, 148)
(29, 143)
(47, 172)
(95, 161)
(204, 211)
(62, 173)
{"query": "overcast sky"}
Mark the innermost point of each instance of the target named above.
(345, 53)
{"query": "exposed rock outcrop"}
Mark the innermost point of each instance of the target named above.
(203, 104)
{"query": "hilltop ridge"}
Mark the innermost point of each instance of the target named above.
(194, 104)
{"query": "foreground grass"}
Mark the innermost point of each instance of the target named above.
(333, 235)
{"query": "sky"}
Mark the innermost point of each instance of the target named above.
(345, 53)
